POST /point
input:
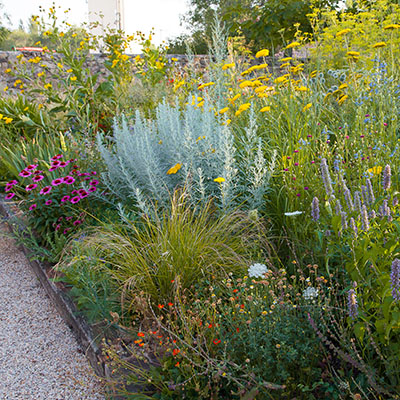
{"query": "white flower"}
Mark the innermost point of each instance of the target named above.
(291, 214)
(310, 293)
(257, 270)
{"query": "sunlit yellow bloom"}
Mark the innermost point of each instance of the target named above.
(260, 89)
(205, 85)
(343, 32)
(62, 34)
(74, 35)
(26, 108)
(178, 85)
(265, 109)
(114, 63)
(220, 179)
(73, 78)
(245, 84)
(353, 53)
(69, 70)
(227, 122)
(307, 106)
(375, 170)
(281, 79)
(313, 74)
(392, 26)
(379, 44)
(227, 66)
(223, 110)
(285, 65)
(291, 45)
(286, 59)
(48, 86)
(59, 65)
(234, 98)
(242, 108)
(201, 104)
(244, 73)
(342, 99)
(5, 89)
(17, 82)
(174, 169)
(343, 86)
(8, 120)
(200, 138)
(40, 74)
(40, 106)
(262, 53)
(8, 70)
(301, 89)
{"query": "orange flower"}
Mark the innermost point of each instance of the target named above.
(175, 352)
(215, 341)
(140, 334)
(161, 306)
(177, 364)
(170, 304)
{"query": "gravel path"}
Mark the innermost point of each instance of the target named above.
(39, 356)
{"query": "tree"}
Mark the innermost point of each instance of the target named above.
(264, 23)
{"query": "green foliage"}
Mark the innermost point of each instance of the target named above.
(181, 245)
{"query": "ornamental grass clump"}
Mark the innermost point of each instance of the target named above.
(181, 243)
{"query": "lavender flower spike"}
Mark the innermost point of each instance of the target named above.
(352, 304)
(347, 197)
(315, 209)
(353, 226)
(338, 207)
(357, 201)
(364, 218)
(387, 175)
(343, 216)
(364, 194)
(395, 279)
(370, 191)
(326, 177)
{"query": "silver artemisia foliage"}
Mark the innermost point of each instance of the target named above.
(142, 152)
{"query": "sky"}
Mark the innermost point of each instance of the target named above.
(140, 15)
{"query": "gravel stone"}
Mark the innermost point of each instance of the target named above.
(39, 356)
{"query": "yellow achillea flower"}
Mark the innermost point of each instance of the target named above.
(8, 70)
(379, 44)
(59, 65)
(301, 89)
(244, 73)
(69, 70)
(223, 110)
(392, 26)
(205, 85)
(220, 179)
(353, 53)
(8, 120)
(174, 169)
(234, 98)
(178, 85)
(343, 86)
(375, 170)
(285, 65)
(73, 78)
(261, 89)
(265, 109)
(343, 99)
(343, 32)
(40, 74)
(245, 84)
(242, 108)
(281, 79)
(262, 53)
(286, 59)
(307, 106)
(227, 66)
(291, 45)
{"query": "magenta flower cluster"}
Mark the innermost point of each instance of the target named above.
(59, 185)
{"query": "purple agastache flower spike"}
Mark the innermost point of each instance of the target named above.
(326, 178)
(370, 191)
(357, 201)
(387, 175)
(395, 279)
(315, 209)
(364, 218)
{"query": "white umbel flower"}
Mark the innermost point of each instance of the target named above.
(310, 293)
(257, 270)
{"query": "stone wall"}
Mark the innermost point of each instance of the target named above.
(94, 61)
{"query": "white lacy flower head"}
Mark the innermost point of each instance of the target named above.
(310, 293)
(257, 270)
